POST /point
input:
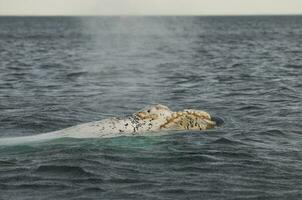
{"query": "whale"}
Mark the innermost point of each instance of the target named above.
(152, 120)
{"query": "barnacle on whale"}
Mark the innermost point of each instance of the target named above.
(189, 120)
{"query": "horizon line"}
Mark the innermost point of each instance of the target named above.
(153, 15)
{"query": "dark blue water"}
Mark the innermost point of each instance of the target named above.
(58, 72)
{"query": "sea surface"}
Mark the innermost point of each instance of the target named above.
(56, 72)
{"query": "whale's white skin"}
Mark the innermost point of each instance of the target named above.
(152, 120)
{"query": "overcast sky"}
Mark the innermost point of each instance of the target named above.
(149, 7)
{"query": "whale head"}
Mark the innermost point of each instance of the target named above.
(163, 118)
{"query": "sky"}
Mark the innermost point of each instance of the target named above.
(150, 7)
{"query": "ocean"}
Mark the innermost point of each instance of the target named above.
(57, 72)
